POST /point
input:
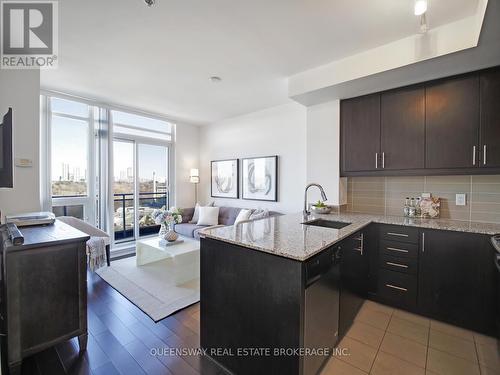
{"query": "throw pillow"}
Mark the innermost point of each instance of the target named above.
(243, 215)
(259, 214)
(209, 216)
(196, 214)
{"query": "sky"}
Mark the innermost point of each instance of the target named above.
(70, 144)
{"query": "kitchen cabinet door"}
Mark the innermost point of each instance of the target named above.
(360, 128)
(354, 269)
(452, 123)
(455, 278)
(403, 129)
(490, 119)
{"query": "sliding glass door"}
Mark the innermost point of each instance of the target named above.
(140, 186)
(152, 163)
(123, 189)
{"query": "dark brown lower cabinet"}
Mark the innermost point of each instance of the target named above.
(271, 304)
(445, 275)
(354, 275)
(456, 279)
(44, 291)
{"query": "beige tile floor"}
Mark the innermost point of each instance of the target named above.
(387, 341)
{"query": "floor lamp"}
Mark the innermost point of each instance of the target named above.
(194, 178)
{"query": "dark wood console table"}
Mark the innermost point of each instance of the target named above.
(43, 291)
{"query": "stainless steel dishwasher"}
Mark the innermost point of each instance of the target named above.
(321, 317)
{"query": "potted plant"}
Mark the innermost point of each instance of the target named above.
(320, 208)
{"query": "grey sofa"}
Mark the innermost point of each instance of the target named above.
(227, 216)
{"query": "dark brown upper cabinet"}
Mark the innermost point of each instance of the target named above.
(452, 123)
(403, 129)
(490, 119)
(360, 129)
(443, 127)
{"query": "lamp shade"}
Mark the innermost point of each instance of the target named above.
(194, 176)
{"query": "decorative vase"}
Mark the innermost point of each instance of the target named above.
(167, 232)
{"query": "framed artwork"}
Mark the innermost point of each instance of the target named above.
(225, 178)
(260, 178)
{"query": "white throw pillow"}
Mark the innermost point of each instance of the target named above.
(243, 215)
(209, 216)
(196, 214)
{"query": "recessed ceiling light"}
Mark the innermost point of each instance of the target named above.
(215, 79)
(420, 7)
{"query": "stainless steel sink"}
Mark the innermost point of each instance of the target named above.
(327, 223)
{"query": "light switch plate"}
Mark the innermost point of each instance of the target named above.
(460, 199)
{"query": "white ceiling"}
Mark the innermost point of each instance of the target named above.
(159, 59)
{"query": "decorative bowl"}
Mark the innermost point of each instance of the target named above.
(321, 210)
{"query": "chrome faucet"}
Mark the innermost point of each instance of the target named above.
(323, 196)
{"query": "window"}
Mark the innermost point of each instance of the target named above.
(139, 126)
(69, 157)
(108, 167)
(70, 128)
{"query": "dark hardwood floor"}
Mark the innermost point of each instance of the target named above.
(121, 339)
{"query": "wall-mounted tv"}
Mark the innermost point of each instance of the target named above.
(6, 177)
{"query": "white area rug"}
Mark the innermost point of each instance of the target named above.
(151, 287)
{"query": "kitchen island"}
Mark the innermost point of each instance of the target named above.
(276, 294)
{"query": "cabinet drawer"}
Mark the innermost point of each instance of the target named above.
(399, 288)
(398, 249)
(399, 264)
(399, 233)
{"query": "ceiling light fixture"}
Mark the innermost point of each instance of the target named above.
(215, 79)
(420, 7)
(150, 3)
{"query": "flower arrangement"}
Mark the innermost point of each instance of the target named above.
(167, 217)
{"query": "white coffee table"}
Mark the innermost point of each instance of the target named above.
(150, 250)
(181, 261)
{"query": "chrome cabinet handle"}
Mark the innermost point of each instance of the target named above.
(362, 245)
(376, 160)
(397, 234)
(423, 242)
(383, 160)
(484, 155)
(398, 250)
(396, 287)
(473, 155)
(396, 265)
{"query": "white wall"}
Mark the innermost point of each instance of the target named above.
(323, 156)
(186, 157)
(20, 89)
(276, 131)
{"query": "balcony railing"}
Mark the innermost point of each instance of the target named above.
(124, 214)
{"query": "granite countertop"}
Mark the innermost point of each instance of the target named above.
(288, 237)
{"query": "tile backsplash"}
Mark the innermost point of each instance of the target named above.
(386, 195)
